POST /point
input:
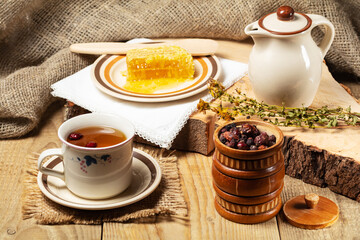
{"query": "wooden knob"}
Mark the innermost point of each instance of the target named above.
(285, 13)
(311, 200)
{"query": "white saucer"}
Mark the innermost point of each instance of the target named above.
(146, 178)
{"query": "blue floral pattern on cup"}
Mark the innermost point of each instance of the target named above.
(88, 160)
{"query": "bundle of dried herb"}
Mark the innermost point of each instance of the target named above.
(241, 105)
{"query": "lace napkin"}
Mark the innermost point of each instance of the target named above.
(158, 123)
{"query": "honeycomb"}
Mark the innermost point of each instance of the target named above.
(159, 62)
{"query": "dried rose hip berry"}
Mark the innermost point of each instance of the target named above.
(231, 136)
(222, 138)
(247, 129)
(261, 147)
(75, 136)
(253, 147)
(231, 143)
(262, 139)
(245, 137)
(250, 141)
(228, 127)
(235, 131)
(91, 144)
(228, 135)
(242, 145)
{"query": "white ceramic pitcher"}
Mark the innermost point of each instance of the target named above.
(285, 62)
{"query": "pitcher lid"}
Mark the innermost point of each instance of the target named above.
(285, 21)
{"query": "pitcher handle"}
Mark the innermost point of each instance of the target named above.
(329, 32)
(48, 171)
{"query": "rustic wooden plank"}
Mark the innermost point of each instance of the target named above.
(13, 156)
(130, 231)
(60, 232)
(158, 227)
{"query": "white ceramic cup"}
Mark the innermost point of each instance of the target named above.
(93, 173)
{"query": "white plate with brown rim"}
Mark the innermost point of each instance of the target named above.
(146, 178)
(108, 76)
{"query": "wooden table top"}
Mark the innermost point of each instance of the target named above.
(203, 222)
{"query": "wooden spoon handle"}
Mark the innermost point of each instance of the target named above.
(99, 48)
(195, 46)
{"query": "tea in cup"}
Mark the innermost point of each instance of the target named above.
(96, 154)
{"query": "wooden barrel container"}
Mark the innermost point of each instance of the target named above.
(248, 183)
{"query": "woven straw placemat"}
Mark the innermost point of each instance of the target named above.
(167, 199)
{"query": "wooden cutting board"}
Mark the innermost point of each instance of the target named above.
(323, 157)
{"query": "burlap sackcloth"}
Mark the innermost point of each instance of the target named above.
(167, 199)
(35, 36)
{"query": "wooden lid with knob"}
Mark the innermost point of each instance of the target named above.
(311, 211)
(311, 200)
